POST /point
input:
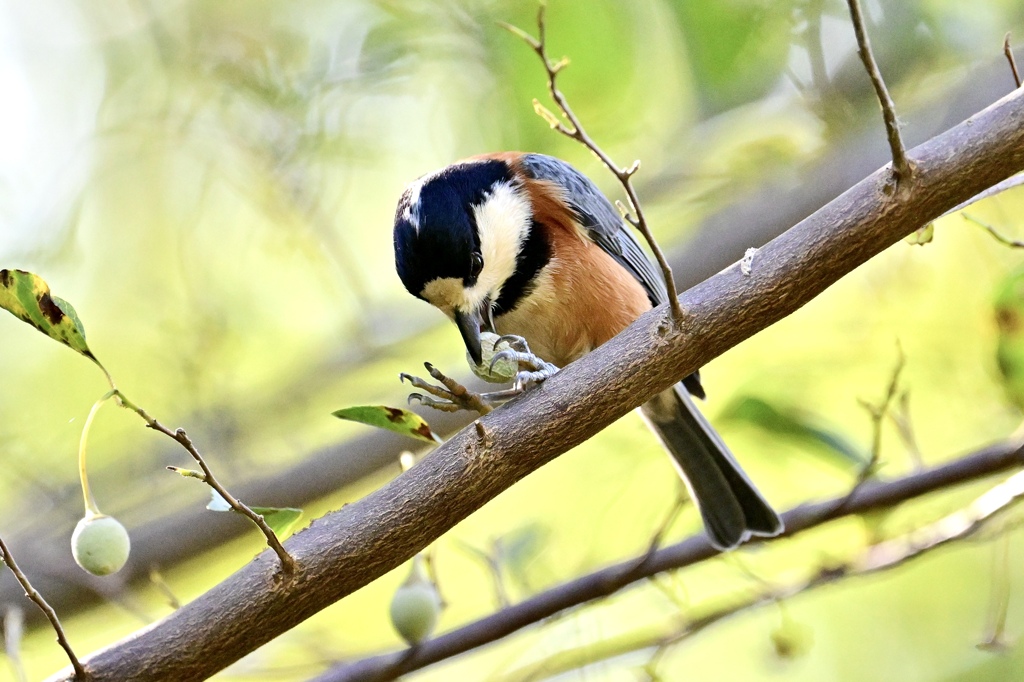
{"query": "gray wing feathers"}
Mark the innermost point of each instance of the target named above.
(601, 220)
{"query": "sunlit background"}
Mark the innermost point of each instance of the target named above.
(212, 185)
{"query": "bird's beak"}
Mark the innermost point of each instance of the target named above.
(470, 324)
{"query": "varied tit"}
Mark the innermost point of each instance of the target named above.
(526, 245)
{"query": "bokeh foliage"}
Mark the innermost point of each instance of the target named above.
(212, 185)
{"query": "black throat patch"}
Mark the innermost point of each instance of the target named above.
(533, 256)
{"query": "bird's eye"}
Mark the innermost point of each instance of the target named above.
(476, 264)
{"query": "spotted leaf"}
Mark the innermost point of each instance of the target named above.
(391, 418)
(28, 298)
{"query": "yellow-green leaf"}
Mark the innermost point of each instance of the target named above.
(28, 298)
(280, 519)
(922, 236)
(797, 424)
(189, 473)
(391, 418)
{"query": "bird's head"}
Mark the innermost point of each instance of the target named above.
(460, 236)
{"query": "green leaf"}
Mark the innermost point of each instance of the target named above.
(280, 519)
(795, 424)
(27, 297)
(922, 236)
(391, 418)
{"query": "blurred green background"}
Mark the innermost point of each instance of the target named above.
(213, 184)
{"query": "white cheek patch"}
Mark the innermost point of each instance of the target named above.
(503, 223)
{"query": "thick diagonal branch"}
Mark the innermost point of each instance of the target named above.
(348, 549)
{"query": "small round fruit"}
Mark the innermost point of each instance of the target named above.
(504, 370)
(415, 606)
(100, 544)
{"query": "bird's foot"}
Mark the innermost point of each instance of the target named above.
(532, 369)
(451, 396)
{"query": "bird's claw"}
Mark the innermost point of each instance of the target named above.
(514, 342)
(533, 369)
(442, 404)
(451, 396)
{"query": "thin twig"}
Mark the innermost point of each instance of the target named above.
(576, 131)
(51, 615)
(1012, 243)
(179, 435)
(900, 163)
(877, 413)
(156, 579)
(1008, 51)
(682, 500)
(900, 417)
(287, 561)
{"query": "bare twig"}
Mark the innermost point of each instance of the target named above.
(1008, 51)
(681, 502)
(900, 163)
(287, 561)
(575, 131)
(905, 428)
(877, 412)
(51, 615)
(156, 579)
(1012, 243)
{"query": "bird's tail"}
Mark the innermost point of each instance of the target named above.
(732, 508)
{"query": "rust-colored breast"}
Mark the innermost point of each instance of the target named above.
(582, 298)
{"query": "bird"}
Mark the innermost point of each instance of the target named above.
(526, 246)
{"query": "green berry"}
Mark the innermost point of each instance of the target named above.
(503, 371)
(100, 544)
(415, 606)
